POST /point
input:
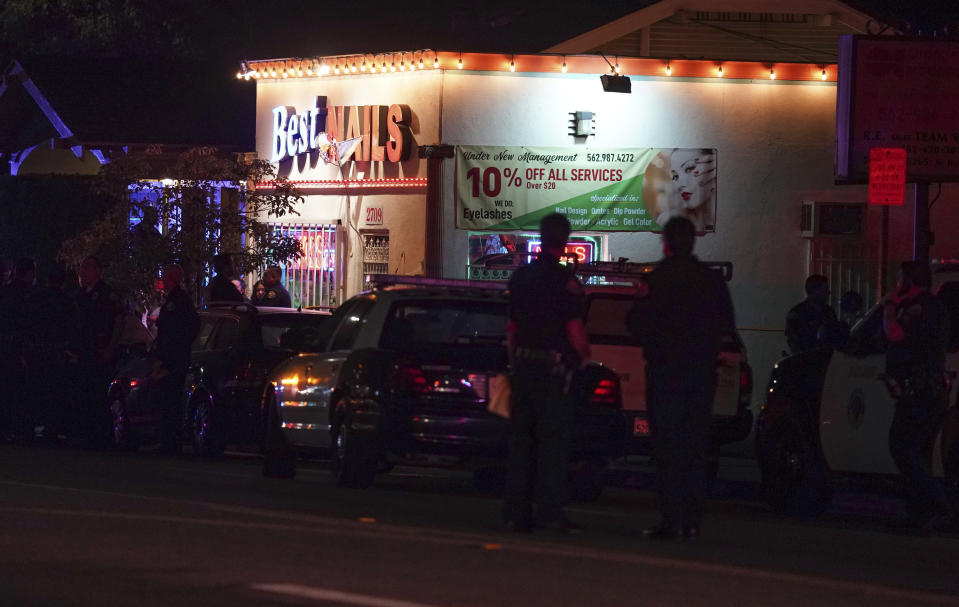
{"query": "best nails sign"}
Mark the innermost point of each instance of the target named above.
(383, 131)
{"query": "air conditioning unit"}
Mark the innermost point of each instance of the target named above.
(832, 219)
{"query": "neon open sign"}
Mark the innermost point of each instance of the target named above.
(582, 250)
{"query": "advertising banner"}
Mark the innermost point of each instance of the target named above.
(608, 190)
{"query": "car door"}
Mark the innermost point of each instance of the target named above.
(856, 408)
(215, 364)
(308, 382)
(613, 345)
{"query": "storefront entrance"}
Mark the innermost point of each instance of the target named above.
(313, 280)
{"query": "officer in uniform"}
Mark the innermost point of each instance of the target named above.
(276, 295)
(177, 326)
(547, 341)
(812, 322)
(917, 327)
(18, 350)
(680, 322)
(221, 286)
(58, 343)
(99, 308)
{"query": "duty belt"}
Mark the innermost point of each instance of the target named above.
(537, 355)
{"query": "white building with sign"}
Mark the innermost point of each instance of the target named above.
(379, 138)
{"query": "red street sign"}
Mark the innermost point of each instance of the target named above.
(887, 176)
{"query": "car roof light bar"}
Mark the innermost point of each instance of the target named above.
(378, 281)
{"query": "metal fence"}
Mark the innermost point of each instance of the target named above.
(312, 279)
(849, 264)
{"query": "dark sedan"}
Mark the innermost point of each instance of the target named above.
(236, 347)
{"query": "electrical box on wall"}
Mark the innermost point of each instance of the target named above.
(832, 219)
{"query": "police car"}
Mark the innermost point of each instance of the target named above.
(611, 288)
(406, 374)
(828, 412)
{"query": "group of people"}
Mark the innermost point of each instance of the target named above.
(226, 287)
(62, 342)
(679, 318)
(916, 328)
(681, 313)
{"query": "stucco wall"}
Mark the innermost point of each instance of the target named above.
(775, 143)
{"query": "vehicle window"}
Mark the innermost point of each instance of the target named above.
(606, 318)
(207, 324)
(226, 335)
(291, 331)
(445, 322)
(349, 326)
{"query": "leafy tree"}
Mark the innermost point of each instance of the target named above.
(208, 205)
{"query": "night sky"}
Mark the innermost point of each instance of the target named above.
(223, 32)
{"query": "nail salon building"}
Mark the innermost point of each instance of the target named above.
(421, 162)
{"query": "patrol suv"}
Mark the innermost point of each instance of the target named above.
(829, 412)
(611, 289)
(404, 376)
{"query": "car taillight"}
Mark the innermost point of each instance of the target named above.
(605, 394)
(409, 379)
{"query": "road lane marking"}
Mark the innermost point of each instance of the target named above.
(393, 532)
(325, 594)
(340, 526)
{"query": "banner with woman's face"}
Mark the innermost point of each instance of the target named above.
(618, 189)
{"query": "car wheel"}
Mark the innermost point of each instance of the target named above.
(207, 440)
(279, 460)
(585, 483)
(120, 437)
(795, 479)
(352, 459)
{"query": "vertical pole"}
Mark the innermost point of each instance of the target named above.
(884, 253)
(922, 237)
(434, 154)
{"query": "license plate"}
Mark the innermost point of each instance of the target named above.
(640, 427)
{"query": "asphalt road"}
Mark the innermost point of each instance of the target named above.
(86, 528)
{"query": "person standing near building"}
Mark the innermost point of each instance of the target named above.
(917, 327)
(221, 285)
(547, 341)
(812, 322)
(275, 294)
(680, 322)
(177, 326)
(99, 309)
(18, 350)
(58, 342)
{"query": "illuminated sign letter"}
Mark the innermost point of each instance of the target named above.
(279, 134)
(398, 125)
(291, 135)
